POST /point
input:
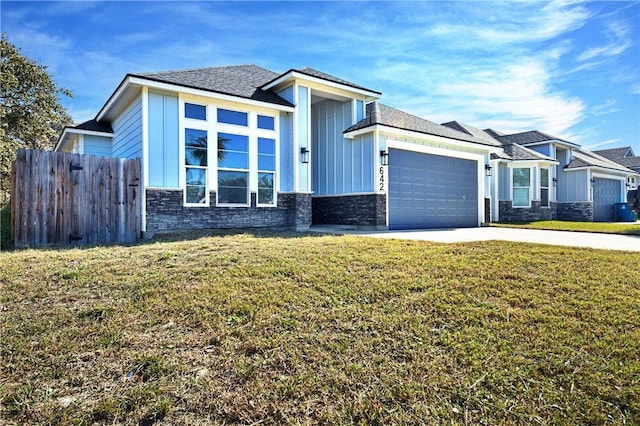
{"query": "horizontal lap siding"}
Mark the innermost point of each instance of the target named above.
(97, 145)
(127, 132)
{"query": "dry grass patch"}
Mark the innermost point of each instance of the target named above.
(238, 329)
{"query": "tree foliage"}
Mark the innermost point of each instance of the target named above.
(31, 115)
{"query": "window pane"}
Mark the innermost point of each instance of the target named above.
(266, 154)
(267, 162)
(233, 151)
(199, 112)
(266, 146)
(232, 117)
(233, 160)
(232, 187)
(544, 178)
(196, 186)
(196, 194)
(196, 176)
(195, 157)
(195, 138)
(231, 142)
(520, 197)
(544, 194)
(521, 177)
(265, 188)
(265, 122)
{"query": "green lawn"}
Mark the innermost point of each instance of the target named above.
(241, 329)
(559, 225)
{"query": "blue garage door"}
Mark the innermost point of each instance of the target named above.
(431, 191)
(606, 192)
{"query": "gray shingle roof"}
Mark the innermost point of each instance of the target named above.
(244, 81)
(582, 158)
(93, 125)
(515, 152)
(381, 114)
(623, 156)
(470, 130)
(328, 77)
(493, 133)
(532, 136)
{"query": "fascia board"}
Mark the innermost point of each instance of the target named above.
(551, 141)
(599, 168)
(138, 81)
(418, 135)
(294, 75)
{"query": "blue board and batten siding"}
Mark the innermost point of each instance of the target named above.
(573, 186)
(340, 165)
(163, 141)
(127, 132)
(97, 145)
(303, 135)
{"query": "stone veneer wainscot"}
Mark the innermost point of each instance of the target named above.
(166, 213)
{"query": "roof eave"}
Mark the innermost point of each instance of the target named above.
(293, 75)
(132, 80)
(417, 134)
(69, 130)
(601, 168)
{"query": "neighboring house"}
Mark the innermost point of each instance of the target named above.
(245, 147)
(625, 157)
(575, 185)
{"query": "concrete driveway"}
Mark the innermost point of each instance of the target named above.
(458, 235)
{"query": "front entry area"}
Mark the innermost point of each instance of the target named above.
(431, 191)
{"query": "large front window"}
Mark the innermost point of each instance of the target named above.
(233, 169)
(266, 170)
(544, 187)
(195, 159)
(521, 187)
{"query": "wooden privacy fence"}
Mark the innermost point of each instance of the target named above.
(73, 199)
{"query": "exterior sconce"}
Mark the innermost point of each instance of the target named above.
(487, 169)
(304, 155)
(555, 181)
(593, 181)
(384, 158)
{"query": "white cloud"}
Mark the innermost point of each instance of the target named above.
(619, 41)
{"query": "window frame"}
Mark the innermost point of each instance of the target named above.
(273, 172)
(233, 169)
(514, 187)
(548, 187)
(186, 167)
(213, 128)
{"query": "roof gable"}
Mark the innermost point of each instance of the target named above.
(532, 136)
(380, 114)
(244, 81)
(581, 159)
(472, 131)
(515, 152)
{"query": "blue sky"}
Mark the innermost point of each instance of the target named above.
(568, 68)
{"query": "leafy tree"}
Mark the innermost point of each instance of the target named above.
(30, 112)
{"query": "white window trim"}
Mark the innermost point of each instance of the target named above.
(206, 168)
(520, 187)
(212, 127)
(548, 187)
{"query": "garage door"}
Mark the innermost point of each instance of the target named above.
(606, 192)
(431, 191)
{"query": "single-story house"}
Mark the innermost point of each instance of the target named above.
(245, 147)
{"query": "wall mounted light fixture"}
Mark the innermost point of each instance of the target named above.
(555, 181)
(384, 158)
(304, 155)
(487, 169)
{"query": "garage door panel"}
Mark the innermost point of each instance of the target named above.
(431, 191)
(606, 192)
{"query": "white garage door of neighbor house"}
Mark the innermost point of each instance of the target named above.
(606, 192)
(431, 191)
